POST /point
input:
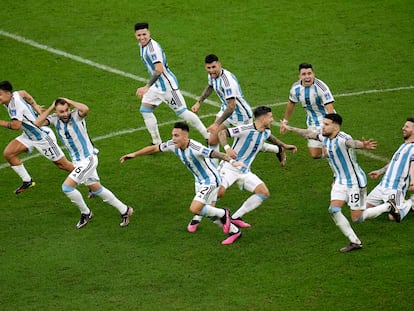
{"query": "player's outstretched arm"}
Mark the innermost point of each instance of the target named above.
(144, 151)
(308, 134)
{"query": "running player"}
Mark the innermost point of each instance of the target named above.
(162, 86)
(316, 98)
(21, 107)
(70, 125)
(197, 159)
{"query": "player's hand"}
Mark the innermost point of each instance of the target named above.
(374, 174)
(369, 144)
(141, 91)
(283, 126)
(231, 153)
(195, 107)
(238, 164)
(213, 128)
(292, 148)
(126, 157)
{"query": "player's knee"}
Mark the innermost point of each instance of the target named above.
(334, 209)
(146, 109)
(194, 210)
(67, 188)
(180, 114)
(263, 196)
(221, 192)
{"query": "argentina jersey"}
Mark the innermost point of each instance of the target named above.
(397, 174)
(226, 86)
(247, 143)
(152, 53)
(74, 135)
(196, 158)
(343, 161)
(313, 99)
(19, 109)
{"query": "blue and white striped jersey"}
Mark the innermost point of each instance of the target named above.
(74, 135)
(343, 161)
(247, 143)
(397, 175)
(20, 110)
(153, 53)
(227, 87)
(313, 100)
(197, 158)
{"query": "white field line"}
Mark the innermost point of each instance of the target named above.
(141, 79)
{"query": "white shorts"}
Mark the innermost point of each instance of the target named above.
(206, 194)
(245, 181)
(314, 143)
(173, 98)
(231, 123)
(355, 197)
(47, 146)
(85, 171)
(380, 195)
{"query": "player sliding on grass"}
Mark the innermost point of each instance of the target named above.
(23, 111)
(70, 125)
(197, 159)
(350, 180)
(248, 141)
(398, 177)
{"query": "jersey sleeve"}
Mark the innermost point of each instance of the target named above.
(156, 53)
(293, 93)
(326, 96)
(52, 119)
(167, 146)
(234, 131)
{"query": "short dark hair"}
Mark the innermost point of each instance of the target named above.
(141, 25)
(182, 125)
(410, 119)
(261, 111)
(305, 66)
(60, 101)
(6, 86)
(210, 58)
(334, 117)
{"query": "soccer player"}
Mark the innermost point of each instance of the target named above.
(162, 86)
(349, 179)
(317, 100)
(398, 177)
(70, 125)
(235, 110)
(247, 142)
(197, 159)
(23, 111)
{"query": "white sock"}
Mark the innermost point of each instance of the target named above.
(344, 225)
(233, 228)
(270, 148)
(76, 197)
(405, 208)
(195, 122)
(152, 126)
(108, 197)
(250, 204)
(197, 217)
(22, 172)
(375, 211)
(209, 210)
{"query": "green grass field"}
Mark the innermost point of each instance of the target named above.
(289, 259)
